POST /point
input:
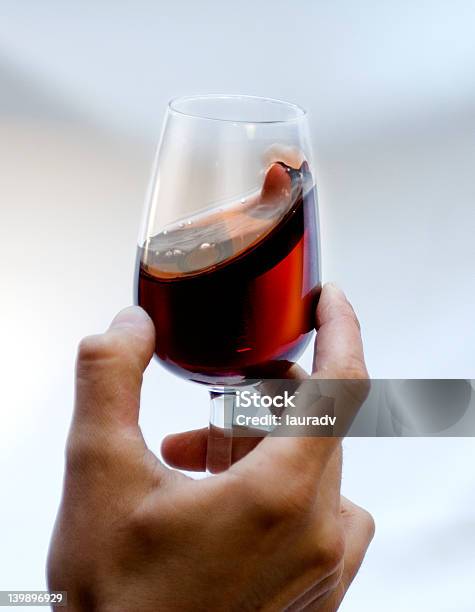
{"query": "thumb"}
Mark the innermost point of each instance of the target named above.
(109, 371)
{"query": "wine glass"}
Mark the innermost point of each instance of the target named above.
(228, 264)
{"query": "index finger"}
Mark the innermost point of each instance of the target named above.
(338, 356)
(109, 371)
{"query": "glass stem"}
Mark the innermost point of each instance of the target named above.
(220, 432)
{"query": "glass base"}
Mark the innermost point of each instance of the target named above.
(219, 455)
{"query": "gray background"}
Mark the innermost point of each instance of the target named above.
(390, 89)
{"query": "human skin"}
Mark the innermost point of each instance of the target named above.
(270, 533)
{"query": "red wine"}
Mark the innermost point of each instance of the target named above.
(232, 292)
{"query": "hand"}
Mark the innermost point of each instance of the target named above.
(271, 533)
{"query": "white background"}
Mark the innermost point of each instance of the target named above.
(390, 88)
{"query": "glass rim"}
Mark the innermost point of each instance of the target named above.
(300, 112)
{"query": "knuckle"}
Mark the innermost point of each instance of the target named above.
(353, 369)
(99, 347)
(332, 552)
(146, 523)
(358, 390)
(329, 549)
(367, 522)
(142, 524)
(353, 382)
(283, 511)
(90, 348)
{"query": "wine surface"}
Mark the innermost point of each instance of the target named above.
(232, 291)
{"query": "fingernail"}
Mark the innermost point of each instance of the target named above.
(336, 290)
(333, 286)
(131, 316)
